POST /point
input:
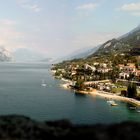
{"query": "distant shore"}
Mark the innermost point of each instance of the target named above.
(105, 95)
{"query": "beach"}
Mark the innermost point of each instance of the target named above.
(115, 97)
(103, 94)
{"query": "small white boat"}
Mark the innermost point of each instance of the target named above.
(112, 103)
(43, 84)
(133, 107)
(138, 111)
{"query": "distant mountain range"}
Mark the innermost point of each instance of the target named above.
(80, 53)
(28, 55)
(83, 53)
(128, 43)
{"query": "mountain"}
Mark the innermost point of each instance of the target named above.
(128, 43)
(83, 53)
(47, 60)
(5, 55)
(28, 55)
(80, 53)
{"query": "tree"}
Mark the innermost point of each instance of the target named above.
(79, 84)
(132, 90)
(114, 73)
(137, 65)
(131, 76)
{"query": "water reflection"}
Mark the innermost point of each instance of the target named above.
(133, 108)
(77, 94)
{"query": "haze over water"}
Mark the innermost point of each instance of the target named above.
(21, 93)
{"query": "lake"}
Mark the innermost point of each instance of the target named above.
(21, 93)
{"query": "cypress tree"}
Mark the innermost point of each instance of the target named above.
(132, 90)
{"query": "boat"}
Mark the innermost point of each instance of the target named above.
(112, 103)
(138, 111)
(133, 107)
(43, 84)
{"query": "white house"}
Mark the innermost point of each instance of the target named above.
(123, 75)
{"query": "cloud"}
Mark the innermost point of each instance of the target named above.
(136, 14)
(7, 22)
(94, 38)
(88, 6)
(8, 33)
(34, 7)
(28, 5)
(132, 8)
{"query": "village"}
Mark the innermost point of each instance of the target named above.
(101, 76)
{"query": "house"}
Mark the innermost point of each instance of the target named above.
(104, 65)
(123, 75)
(121, 66)
(86, 66)
(73, 72)
(131, 64)
(95, 63)
(129, 68)
(137, 73)
(103, 70)
(61, 70)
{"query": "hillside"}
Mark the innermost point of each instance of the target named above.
(83, 53)
(16, 127)
(79, 54)
(128, 43)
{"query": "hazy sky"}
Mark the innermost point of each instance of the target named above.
(58, 27)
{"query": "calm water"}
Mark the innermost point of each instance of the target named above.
(21, 93)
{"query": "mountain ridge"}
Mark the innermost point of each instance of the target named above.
(29, 55)
(78, 54)
(127, 43)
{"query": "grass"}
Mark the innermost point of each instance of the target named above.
(138, 93)
(118, 90)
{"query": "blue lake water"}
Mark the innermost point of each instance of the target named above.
(21, 93)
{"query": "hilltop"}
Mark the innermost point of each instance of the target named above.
(127, 44)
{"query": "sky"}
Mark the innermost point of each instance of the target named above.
(57, 28)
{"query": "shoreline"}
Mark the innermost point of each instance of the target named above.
(111, 96)
(102, 94)
(67, 83)
(115, 97)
